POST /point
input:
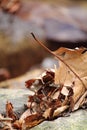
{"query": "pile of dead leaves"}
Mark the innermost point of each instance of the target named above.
(56, 92)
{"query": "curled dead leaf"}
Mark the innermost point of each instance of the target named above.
(60, 110)
(9, 111)
(17, 125)
(80, 101)
(32, 120)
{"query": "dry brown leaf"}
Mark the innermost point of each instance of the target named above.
(32, 120)
(60, 110)
(70, 81)
(17, 125)
(80, 101)
(72, 73)
(77, 60)
(46, 114)
(69, 93)
(9, 111)
(28, 119)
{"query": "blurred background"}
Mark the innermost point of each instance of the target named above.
(56, 23)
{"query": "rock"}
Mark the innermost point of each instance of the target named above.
(18, 97)
(14, 90)
(76, 121)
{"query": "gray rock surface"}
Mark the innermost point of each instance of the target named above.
(76, 121)
(18, 97)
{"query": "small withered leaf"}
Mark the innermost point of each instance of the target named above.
(55, 103)
(47, 78)
(61, 97)
(50, 73)
(34, 84)
(65, 91)
(81, 101)
(32, 120)
(48, 90)
(17, 125)
(72, 104)
(9, 111)
(70, 91)
(29, 82)
(59, 110)
(47, 113)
